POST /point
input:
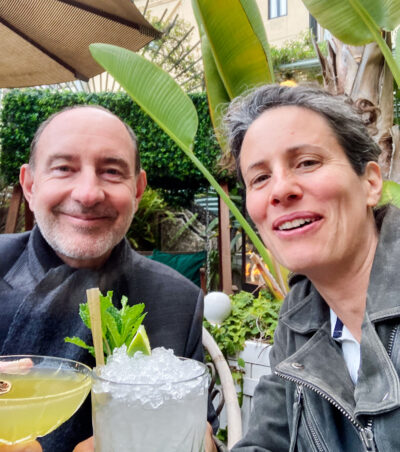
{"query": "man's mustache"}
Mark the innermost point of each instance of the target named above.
(77, 210)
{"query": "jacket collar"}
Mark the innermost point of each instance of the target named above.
(384, 287)
(310, 313)
(307, 311)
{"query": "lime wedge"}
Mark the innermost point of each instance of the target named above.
(139, 343)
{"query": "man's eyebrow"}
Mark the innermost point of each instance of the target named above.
(54, 157)
(116, 161)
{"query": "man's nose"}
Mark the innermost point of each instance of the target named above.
(285, 189)
(88, 190)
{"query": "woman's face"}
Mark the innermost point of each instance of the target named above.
(311, 209)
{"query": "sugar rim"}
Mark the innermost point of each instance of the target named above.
(77, 366)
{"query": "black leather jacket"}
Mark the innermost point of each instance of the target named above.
(309, 403)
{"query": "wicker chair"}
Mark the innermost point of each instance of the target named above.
(229, 396)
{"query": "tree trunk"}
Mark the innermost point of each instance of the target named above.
(362, 74)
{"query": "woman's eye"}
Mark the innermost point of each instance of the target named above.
(260, 179)
(308, 163)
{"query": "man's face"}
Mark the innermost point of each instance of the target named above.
(83, 189)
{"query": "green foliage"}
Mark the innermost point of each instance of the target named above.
(144, 231)
(166, 165)
(251, 318)
(358, 22)
(119, 326)
(296, 50)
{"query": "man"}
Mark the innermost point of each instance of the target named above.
(84, 183)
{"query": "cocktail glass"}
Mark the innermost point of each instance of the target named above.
(168, 416)
(38, 394)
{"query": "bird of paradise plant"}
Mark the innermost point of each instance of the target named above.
(228, 35)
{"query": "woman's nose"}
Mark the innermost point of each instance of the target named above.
(88, 190)
(285, 189)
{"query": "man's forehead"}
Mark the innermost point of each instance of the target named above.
(100, 127)
(91, 116)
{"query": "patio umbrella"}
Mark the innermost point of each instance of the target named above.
(46, 41)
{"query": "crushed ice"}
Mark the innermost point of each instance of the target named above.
(151, 380)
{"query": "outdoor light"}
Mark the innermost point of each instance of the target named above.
(217, 307)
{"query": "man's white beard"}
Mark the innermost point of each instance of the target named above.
(93, 246)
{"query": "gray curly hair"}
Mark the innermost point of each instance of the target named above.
(343, 118)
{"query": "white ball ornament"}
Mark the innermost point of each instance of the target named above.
(217, 307)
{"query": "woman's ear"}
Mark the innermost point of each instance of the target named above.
(373, 179)
(26, 181)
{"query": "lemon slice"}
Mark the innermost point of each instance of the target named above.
(139, 343)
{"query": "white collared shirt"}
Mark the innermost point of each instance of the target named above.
(350, 346)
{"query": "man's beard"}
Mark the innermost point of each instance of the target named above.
(92, 242)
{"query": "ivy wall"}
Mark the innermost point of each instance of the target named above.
(167, 166)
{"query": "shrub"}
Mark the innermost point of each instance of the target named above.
(251, 318)
(167, 166)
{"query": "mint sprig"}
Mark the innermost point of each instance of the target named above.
(118, 326)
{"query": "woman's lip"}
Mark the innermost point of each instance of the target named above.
(295, 216)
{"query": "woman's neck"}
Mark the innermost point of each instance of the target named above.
(344, 288)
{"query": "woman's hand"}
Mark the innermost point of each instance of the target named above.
(209, 440)
(32, 446)
(85, 446)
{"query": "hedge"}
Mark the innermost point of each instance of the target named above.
(166, 165)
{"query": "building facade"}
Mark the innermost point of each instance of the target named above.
(284, 19)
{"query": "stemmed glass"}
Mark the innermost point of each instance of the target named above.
(38, 394)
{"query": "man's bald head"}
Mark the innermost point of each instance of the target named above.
(45, 123)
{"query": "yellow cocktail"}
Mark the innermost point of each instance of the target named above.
(37, 394)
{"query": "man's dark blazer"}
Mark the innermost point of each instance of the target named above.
(40, 296)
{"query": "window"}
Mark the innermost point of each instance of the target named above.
(277, 8)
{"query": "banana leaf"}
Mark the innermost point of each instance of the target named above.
(216, 93)
(390, 193)
(240, 49)
(359, 22)
(153, 89)
(165, 102)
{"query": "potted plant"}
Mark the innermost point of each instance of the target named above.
(245, 339)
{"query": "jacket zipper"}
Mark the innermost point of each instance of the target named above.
(314, 435)
(370, 422)
(366, 433)
(391, 341)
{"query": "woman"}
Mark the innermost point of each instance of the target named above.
(312, 182)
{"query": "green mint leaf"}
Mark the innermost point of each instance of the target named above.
(119, 326)
(84, 314)
(133, 329)
(116, 315)
(80, 343)
(124, 304)
(112, 333)
(105, 303)
(129, 317)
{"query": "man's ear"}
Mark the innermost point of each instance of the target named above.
(26, 181)
(373, 179)
(141, 183)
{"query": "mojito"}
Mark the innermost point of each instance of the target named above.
(149, 403)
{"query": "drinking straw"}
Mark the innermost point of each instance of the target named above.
(93, 297)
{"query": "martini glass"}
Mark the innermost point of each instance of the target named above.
(38, 394)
